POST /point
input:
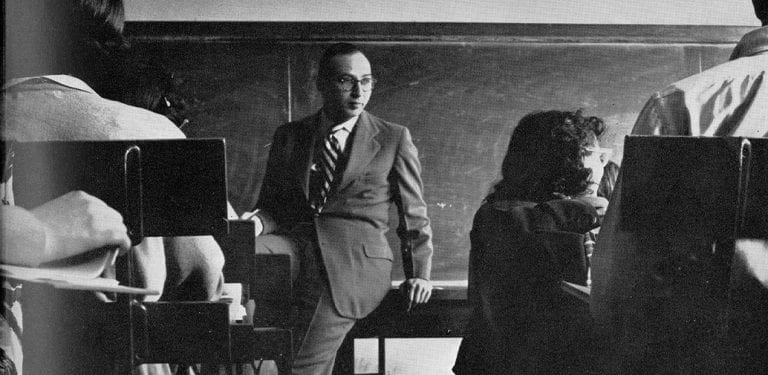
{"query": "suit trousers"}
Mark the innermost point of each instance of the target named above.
(318, 329)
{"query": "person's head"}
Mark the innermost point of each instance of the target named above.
(83, 38)
(151, 85)
(761, 10)
(345, 81)
(552, 154)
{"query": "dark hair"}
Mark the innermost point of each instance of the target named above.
(761, 10)
(79, 37)
(101, 21)
(338, 49)
(544, 157)
(151, 85)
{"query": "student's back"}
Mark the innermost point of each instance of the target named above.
(64, 108)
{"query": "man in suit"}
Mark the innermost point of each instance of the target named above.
(330, 181)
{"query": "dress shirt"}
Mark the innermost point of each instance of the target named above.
(341, 137)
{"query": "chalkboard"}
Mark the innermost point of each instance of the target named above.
(459, 89)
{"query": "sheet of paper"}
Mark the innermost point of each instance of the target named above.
(81, 273)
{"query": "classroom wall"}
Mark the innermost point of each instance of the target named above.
(651, 12)
(460, 88)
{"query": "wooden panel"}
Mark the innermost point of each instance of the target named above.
(460, 88)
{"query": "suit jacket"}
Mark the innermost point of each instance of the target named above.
(382, 168)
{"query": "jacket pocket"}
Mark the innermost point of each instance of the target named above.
(375, 179)
(378, 251)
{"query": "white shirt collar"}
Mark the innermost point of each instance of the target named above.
(348, 125)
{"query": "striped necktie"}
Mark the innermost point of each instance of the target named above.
(329, 160)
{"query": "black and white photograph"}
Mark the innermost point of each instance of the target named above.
(331, 187)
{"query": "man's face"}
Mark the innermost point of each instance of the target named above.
(339, 104)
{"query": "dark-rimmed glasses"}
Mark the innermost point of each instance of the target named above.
(348, 83)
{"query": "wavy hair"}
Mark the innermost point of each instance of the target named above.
(544, 157)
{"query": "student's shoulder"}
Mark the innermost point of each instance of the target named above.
(507, 209)
(139, 123)
(743, 72)
(510, 216)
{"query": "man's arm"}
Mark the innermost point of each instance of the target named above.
(71, 224)
(195, 268)
(270, 194)
(414, 228)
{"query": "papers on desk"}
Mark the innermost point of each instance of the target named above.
(232, 295)
(82, 272)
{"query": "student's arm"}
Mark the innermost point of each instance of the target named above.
(71, 224)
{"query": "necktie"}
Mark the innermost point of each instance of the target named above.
(329, 159)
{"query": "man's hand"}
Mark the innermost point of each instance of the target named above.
(78, 222)
(418, 291)
(252, 215)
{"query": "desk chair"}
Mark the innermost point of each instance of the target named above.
(266, 279)
(135, 177)
(678, 284)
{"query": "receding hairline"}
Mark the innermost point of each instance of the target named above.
(326, 69)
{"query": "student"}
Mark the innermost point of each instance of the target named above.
(66, 56)
(528, 236)
(730, 99)
(331, 179)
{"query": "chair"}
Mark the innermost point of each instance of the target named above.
(133, 177)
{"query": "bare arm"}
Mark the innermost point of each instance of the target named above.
(71, 224)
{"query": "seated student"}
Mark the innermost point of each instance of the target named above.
(654, 321)
(46, 104)
(66, 54)
(149, 84)
(527, 236)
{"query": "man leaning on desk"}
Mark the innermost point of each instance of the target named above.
(330, 181)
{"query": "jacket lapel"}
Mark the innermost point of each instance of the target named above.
(363, 149)
(304, 151)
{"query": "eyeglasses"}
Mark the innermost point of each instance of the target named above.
(348, 83)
